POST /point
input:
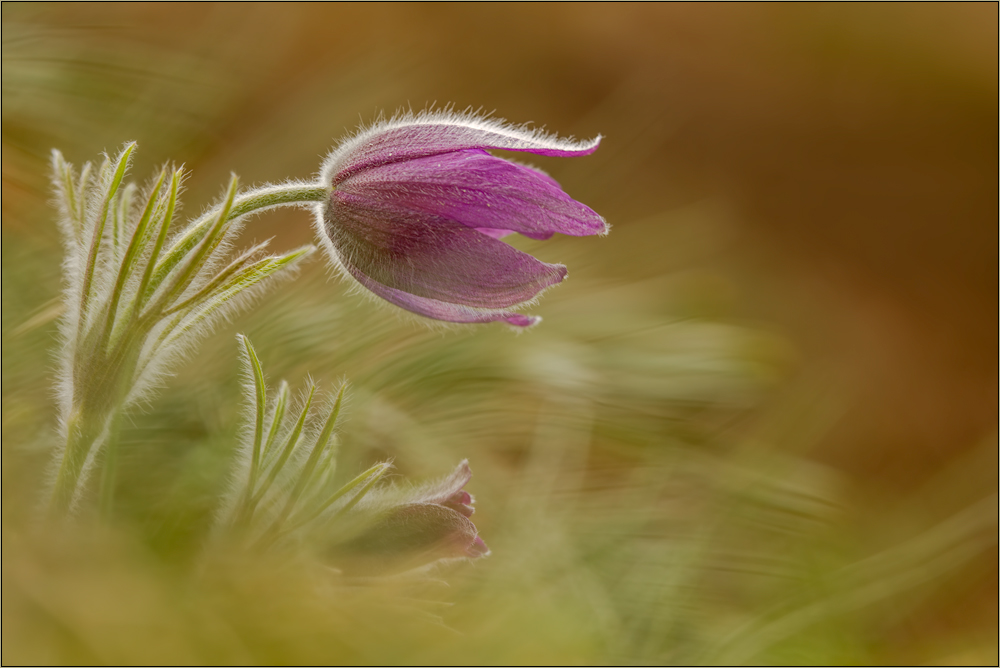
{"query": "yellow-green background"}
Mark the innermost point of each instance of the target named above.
(757, 425)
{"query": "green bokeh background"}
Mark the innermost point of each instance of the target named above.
(757, 425)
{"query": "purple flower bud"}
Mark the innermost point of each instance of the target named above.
(410, 528)
(417, 208)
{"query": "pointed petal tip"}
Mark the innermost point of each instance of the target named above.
(592, 145)
(463, 470)
(523, 321)
(478, 549)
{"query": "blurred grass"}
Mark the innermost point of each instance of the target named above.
(657, 467)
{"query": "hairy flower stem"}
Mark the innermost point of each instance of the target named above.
(108, 358)
(81, 434)
(109, 471)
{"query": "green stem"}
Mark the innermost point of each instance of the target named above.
(285, 194)
(69, 470)
(109, 471)
(81, 433)
(265, 198)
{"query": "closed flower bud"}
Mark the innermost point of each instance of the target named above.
(399, 529)
(417, 208)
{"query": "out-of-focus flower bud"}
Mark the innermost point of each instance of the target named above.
(399, 529)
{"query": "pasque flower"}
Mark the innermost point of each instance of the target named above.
(412, 527)
(417, 208)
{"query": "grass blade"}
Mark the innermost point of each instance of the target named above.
(277, 417)
(375, 473)
(131, 255)
(261, 393)
(290, 442)
(307, 470)
(146, 286)
(95, 242)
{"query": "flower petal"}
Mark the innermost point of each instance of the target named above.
(438, 310)
(478, 190)
(478, 549)
(449, 491)
(440, 490)
(431, 257)
(415, 136)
